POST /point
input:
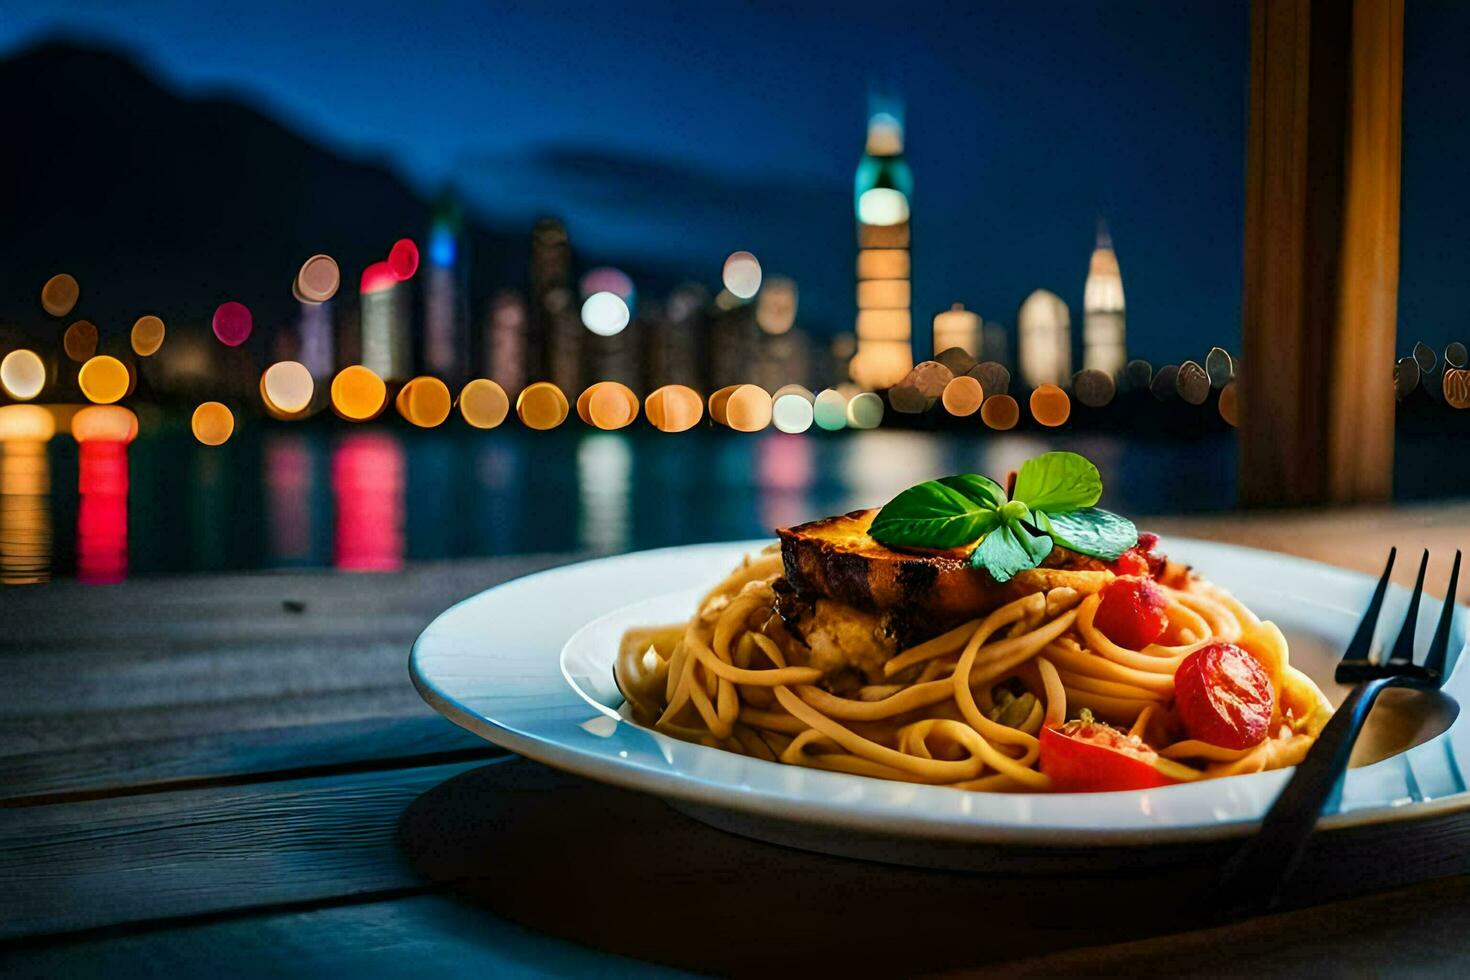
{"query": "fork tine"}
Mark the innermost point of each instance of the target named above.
(1440, 645)
(1403, 647)
(1362, 641)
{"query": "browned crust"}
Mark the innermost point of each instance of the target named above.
(836, 557)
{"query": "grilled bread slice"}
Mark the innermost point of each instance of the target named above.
(838, 559)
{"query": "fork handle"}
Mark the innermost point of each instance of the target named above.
(1253, 878)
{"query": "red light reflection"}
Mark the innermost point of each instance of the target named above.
(102, 516)
(368, 484)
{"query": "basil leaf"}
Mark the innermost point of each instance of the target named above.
(1092, 531)
(981, 489)
(1058, 482)
(932, 515)
(1009, 549)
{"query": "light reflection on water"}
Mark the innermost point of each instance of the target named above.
(281, 496)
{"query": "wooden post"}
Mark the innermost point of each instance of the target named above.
(1321, 251)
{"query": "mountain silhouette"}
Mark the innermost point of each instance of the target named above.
(159, 203)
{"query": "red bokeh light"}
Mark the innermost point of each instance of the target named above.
(403, 259)
(233, 323)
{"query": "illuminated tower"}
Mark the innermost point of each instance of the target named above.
(446, 344)
(1044, 328)
(385, 340)
(1104, 343)
(882, 190)
(958, 327)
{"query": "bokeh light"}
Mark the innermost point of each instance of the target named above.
(883, 206)
(541, 406)
(744, 408)
(607, 405)
(605, 314)
(674, 408)
(80, 340)
(318, 279)
(483, 403)
(104, 423)
(60, 294)
(22, 374)
(963, 396)
(104, 379)
(233, 323)
(425, 402)
(830, 410)
(28, 423)
(1000, 412)
(358, 394)
(1230, 403)
(1050, 405)
(212, 424)
(865, 410)
(287, 387)
(403, 259)
(147, 335)
(742, 275)
(791, 412)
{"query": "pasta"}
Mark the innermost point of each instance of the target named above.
(968, 708)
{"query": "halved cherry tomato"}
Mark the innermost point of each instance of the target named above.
(1223, 696)
(1089, 756)
(1131, 612)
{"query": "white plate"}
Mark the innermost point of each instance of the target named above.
(528, 665)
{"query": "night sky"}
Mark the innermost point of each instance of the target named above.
(669, 134)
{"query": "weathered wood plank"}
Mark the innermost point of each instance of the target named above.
(178, 658)
(270, 753)
(207, 610)
(424, 935)
(26, 736)
(99, 863)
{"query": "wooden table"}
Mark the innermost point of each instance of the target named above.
(233, 773)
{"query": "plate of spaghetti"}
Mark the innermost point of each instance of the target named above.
(973, 662)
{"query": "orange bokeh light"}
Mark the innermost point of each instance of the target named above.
(1000, 412)
(104, 423)
(425, 402)
(358, 394)
(1050, 405)
(147, 335)
(60, 294)
(674, 408)
(80, 340)
(104, 379)
(483, 403)
(542, 406)
(213, 424)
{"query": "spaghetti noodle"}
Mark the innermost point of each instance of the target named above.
(966, 708)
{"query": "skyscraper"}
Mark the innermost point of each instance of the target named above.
(1104, 344)
(446, 336)
(882, 189)
(1044, 330)
(385, 340)
(554, 319)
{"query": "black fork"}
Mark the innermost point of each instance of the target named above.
(1254, 877)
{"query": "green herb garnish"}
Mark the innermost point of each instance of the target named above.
(1053, 504)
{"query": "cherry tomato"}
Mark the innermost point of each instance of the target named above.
(1093, 757)
(1131, 612)
(1223, 696)
(1144, 558)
